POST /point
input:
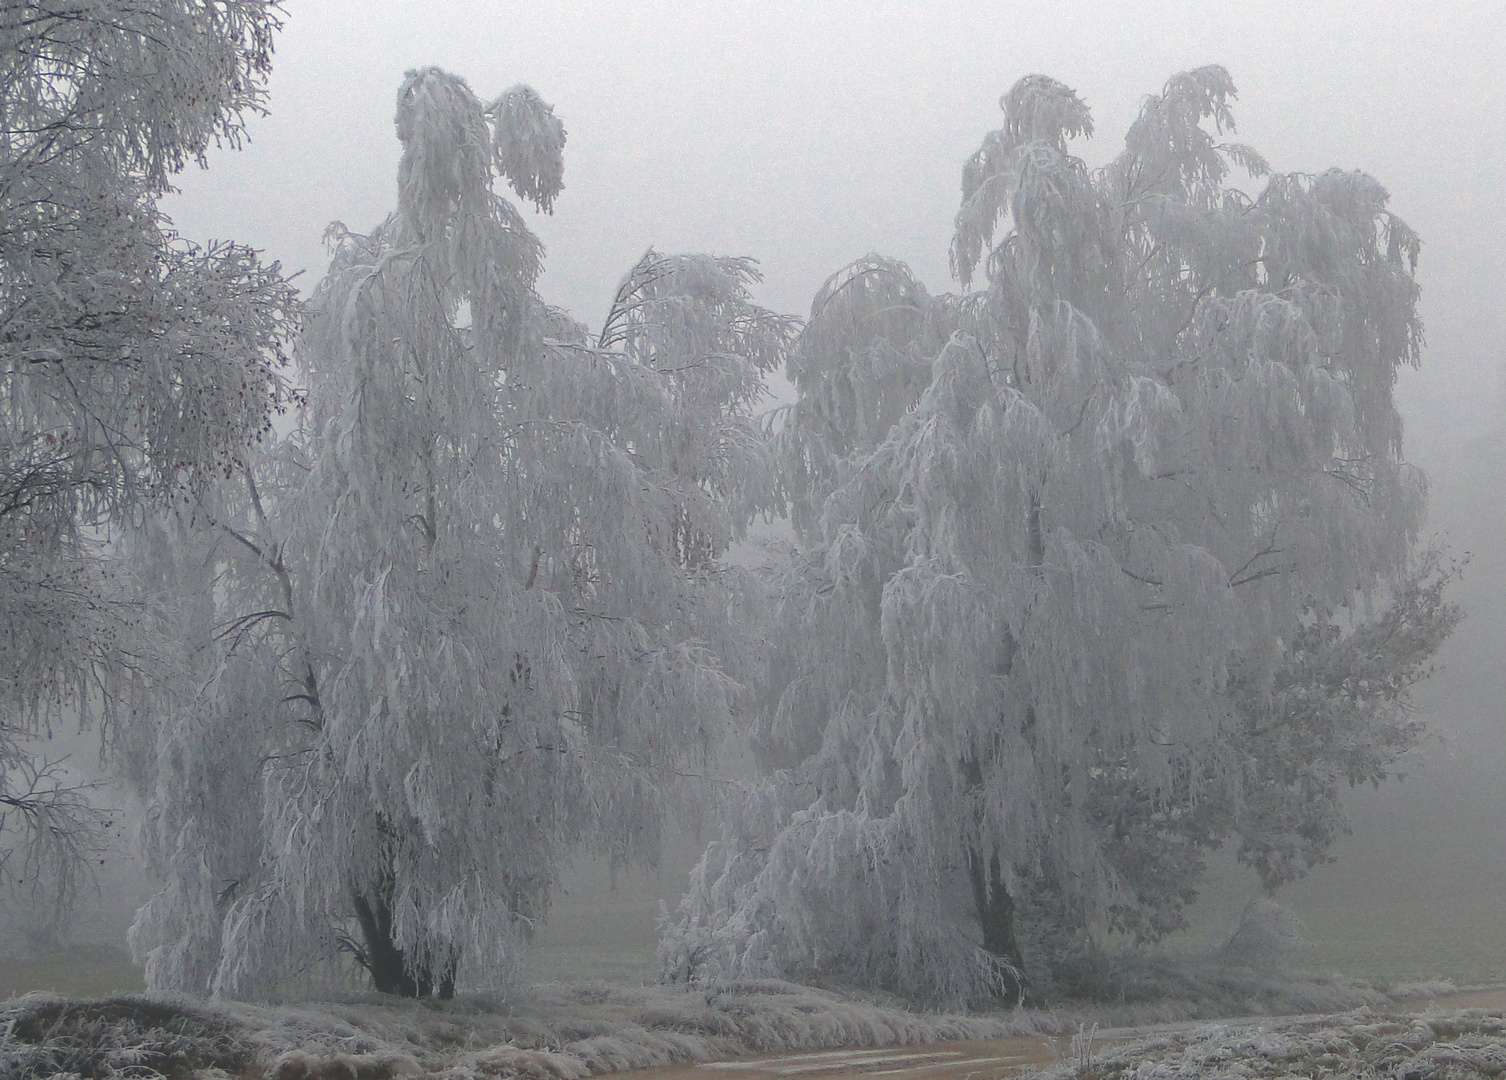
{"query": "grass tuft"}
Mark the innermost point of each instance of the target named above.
(46, 1036)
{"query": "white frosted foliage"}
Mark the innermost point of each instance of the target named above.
(135, 368)
(471, 617)
(1041, 644)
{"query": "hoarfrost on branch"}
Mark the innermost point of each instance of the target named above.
(471, 617)
(1085, 560)
(134, 367)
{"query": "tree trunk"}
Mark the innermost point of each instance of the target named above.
(995, 910)
(391, 970)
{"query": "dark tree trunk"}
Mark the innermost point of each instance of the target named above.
(392, 972)
(995, 910)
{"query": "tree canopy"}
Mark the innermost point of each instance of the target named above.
(471, 616)
(1098, 566)
(133, 366)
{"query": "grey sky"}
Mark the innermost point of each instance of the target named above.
(808, 133)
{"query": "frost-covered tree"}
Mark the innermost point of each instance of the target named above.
(133, 366)
(1090, 563)
(471, 616)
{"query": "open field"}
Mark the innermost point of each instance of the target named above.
(1387, 912)
(76, 970)
(1385, 936)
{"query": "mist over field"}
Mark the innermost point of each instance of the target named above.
(621, 718)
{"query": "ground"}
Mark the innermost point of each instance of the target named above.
(569, 1028)
(750, 1031)
(1438, 1044)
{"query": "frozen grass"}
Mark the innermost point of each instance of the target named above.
(578, 1030)
(47, 1036)
(1362, 1043)
(566, 1032)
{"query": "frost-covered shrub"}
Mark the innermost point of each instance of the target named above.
(1268, 935)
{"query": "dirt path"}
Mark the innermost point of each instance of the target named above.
(961, 1060)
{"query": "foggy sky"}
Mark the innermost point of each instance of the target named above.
(808, 133)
